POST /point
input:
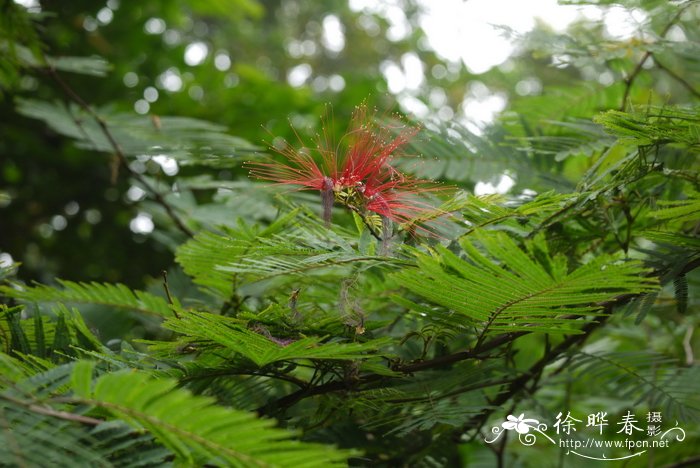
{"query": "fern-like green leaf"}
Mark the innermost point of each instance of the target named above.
(260, 347)
(113, 295)
(37, 431)
(641, 376)
(568, 139)
(679, 210)
(510, 215)
(656, 125)
(673, 238)
(680, 290)
(66, 417)
(93, 66)
(190, 141)
(196, 430)
(511, 291)
(294, 245)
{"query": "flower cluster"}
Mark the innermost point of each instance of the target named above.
(356, 173)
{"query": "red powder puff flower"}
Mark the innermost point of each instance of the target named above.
(356, 173)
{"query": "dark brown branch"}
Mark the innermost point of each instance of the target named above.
(458, 391)
(366, 223)
(75, 97)
(677, 77)
(520, 383)
(517, 385)
(688, 462)
(340, 385)
(48, 411)
(167, 292)
(629, 81)
(230, 372)
(406, 369)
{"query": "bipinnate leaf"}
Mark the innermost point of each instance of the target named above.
(195, 429)
(503, 288)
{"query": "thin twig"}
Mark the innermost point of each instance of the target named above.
(366, 223)
(687, 347)
(517, 385)
(231, 372)
(47, 411)
(687, 462)
(167, 292)
(75, 97)
(629, 81)
(677, 77)
(520, 383)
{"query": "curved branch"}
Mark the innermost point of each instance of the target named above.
(677, 77)
(48, 411)
(629, 81)
(159, 198)
(517, 385)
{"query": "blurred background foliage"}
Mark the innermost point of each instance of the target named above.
(254, 67)
(223, 61)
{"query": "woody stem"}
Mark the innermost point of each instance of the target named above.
(374, 233)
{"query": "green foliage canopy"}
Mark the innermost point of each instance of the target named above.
(271, 339)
